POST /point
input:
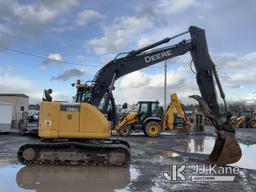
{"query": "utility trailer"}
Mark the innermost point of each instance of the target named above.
(5, 117)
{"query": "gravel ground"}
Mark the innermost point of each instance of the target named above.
(149, 157)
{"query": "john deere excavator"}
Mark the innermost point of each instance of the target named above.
(151, 120)
(79, 133)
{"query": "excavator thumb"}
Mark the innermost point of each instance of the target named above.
(226, 149)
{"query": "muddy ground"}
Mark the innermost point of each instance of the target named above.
(149, 158)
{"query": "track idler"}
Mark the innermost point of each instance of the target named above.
(226, 149)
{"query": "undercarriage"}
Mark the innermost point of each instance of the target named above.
(76, 152)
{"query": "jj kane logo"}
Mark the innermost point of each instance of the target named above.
(206, 173)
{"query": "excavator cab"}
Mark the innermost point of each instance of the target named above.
(82, 91)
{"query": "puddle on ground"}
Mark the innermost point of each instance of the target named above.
(168, 154)
(169, 133)
(151, 142)
(205, 145)
(70, 178)
(134, 173)
(157, 188)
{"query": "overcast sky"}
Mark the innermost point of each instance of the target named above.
(51, 43)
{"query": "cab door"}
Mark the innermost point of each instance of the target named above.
(143, 112)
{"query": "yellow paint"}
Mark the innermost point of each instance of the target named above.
(168, 117)
(88, 123)
(130, 118)
(237, 122)
(49, 112)
(253, 124)
(153, 130)
(69, 121)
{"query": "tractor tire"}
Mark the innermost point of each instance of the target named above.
(152, 129)
(125, 130)
(253, 123)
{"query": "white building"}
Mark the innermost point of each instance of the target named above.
(19, 107)
(5, 117)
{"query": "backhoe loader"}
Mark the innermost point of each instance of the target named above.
(79, 133)
(244, 119)
(168, 120)
(151, 120)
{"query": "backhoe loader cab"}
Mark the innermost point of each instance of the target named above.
(148, 109)
(146, 119)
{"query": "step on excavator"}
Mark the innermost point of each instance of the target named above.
(152, 121)
(79, 133)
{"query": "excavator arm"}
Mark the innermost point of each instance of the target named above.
(145, 57)
(105, 78)
(226, 149)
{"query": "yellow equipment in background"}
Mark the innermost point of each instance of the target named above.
(123, 128)
(146, 119)
(168, 117)
(151, 120)
(244, 119)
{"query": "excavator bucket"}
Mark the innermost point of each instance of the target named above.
(226, 149)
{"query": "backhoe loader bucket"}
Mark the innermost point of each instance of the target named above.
(226, 149)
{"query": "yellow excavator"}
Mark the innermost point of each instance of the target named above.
(80, 132)
(151, 120)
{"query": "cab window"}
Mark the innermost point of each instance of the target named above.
(155, 109)
(143, 111)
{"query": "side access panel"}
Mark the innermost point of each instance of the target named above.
(49, 119)
(69, 119)
(72, 120)
(93, 124)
